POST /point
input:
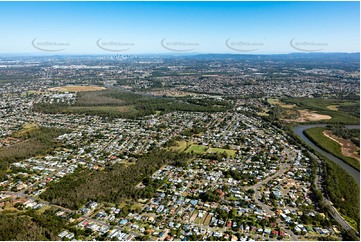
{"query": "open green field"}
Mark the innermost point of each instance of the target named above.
(25, 130)
(197, 149)
(277, 101)
(230, 153)
(201, 149)
(180, 146)
(316, 135)
(341, 111)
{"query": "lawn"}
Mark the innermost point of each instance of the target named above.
(197, 149)
(317, 136)
(198, 220)
(180, 146)
(201, 149)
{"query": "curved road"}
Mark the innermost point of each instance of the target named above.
(352, 171)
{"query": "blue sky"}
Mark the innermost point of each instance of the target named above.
(202, 27)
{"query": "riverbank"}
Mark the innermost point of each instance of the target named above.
(340, 180)
(318, 137)
(299, 130)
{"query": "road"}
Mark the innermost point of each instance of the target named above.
(283, 168)
(333, 211)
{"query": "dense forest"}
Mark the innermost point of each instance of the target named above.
(350, 134)
(343, 191)
(121, 104)
(112, 184)
(36, 141)
(341, 188)
(30, 226)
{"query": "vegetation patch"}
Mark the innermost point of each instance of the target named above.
(113, 184)
(102, 109)
(348, 149)
(122, 104)
(179, 146)
(276, 101)
(309, 116)
(333, 107)
(30, 226)
(35, 141)
(229, 152)
(317, 136)
(343, 191)
(197, 149)
(348, 110)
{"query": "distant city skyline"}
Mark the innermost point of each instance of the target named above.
(125, 28)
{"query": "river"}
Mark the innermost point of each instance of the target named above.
(352, 171)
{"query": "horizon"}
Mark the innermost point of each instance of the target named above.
(166, 54)
(173, 28)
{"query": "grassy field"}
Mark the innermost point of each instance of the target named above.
(180, 146)
(230, 153)
(27, 128)
(201, 149)
(333, 107)
(317, 136)
(276, 101)
(317, 103)
(197, 149)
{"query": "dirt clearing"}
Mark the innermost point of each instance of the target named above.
(307, 116)
(333, 107)
(348, 148)
(76, 88)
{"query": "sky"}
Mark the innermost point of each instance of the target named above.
(178, 27)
